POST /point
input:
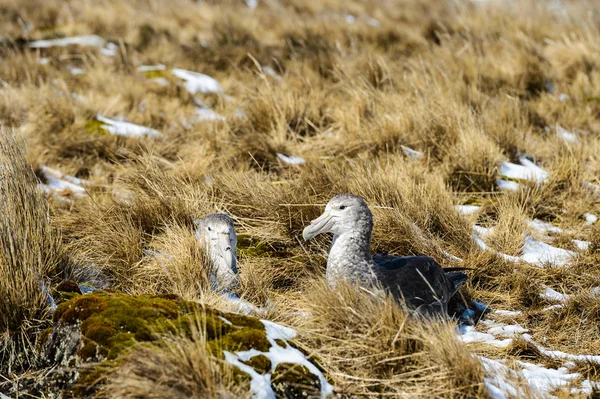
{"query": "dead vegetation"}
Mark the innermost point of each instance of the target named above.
(347, 86)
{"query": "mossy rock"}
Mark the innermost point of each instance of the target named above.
(260, 363)
(97, 329)
(291, 381)
(110, 323)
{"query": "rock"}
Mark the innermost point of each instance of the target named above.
(294, 381)
(91, 332)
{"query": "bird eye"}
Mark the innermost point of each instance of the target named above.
(342, 207)
(209, 229)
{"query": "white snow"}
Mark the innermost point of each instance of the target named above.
(197, 82)
(373, 22)
(110, 50)
(414, 154)
(58, 184)
(563, 97)
(507, 330)
(551, 295)
(526, 171)
(127, 129)
(149, 68)
(90, 41)
(261, 384)
(582, 245)
(507, 185)
(290, 160)
(483, 231)
(544, 380)
(271, 72)
(539, 253)
(534, 252)
(208, 115)
(507, 313)
(251, 4)
(467, 209)
(544, 227)
(562, 355)
(566, 135)
(590, 218)
(75, 70)
(243, 306)
(470, 334)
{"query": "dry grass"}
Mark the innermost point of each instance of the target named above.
(30, 256)
(469, 84)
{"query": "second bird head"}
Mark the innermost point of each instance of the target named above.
(217, 233)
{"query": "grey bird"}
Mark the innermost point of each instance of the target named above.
(216, 233)
(419, 281)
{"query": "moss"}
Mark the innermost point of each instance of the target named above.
(241, 340)
(247, 246)
(42, 339)
(155, 74)
(281, 343)
(95, 127)
(290, 380)
(111, 323)
(68, 286)
(260, 363)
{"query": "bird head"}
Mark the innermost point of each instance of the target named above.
(217, 233)
(343, 213)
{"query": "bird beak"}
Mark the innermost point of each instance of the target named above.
(224, 249)
(322, 224)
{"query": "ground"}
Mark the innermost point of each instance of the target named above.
(470, 127)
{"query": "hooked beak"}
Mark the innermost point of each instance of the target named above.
(224, 249)
(322, 224)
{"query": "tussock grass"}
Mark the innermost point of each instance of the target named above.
(468, 84)
(30, 257)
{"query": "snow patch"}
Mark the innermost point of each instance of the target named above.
(89, 41)
(59, 184)
(467, 209)
(119, 128)
(582, 245)
(414, 154)
(551, 295)
(196, 82)
(566, 135)
(526, 171)
(590, 218)
(290, 160)
(544, 227)
(507, 185)
(261, 384)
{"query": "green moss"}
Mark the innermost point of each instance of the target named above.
(247, 246)
(155, 74)
(281, 343)
(260, 363)
(290, 381)
(111, 323)
(95, 127)
(240, 340)
(43, 338)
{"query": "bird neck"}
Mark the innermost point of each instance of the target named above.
(222, 275)
(350, 257)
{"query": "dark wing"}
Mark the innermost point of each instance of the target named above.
(419, 281)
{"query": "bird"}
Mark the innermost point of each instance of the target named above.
(418, 281)
(216, 232)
